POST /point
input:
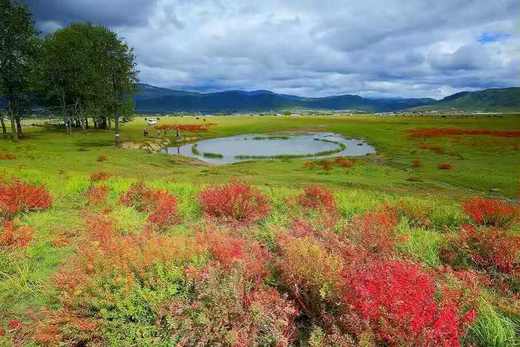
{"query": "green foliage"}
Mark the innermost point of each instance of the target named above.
(493, 329)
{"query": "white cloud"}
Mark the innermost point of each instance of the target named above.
(312, 47)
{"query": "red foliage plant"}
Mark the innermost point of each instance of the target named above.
(317, 197)
(230, 251)
(97, 195)
(375, 231)
(234, 203)
(161, 205)
(398, 299)
(416, 163)
(7, 156)
(99, 176)
(487, 249)
(491, 212)
(433, 148)
(191, 128)
(17, 196)
(445, 166)
(164, 213)
(102, 158)
(105, 262)
(443, 132)
(14, 236)
(238, 314)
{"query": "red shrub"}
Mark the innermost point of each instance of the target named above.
(375, 231)
(14, 325)
(344, 162)
(102, 158)
(317, 197)
(443, 132)
(191, 128)
(7, 156)
(99, 176)
(224, 310)
(445, 166)
(490, 212)
(416, 163)
(164, 211)
(17, 196)
(488, 249)
(433, 148)
(309, 165)
(16, 237)
(138, 196)
(231, 251)
(97, 195)
(161, 206)
(398, 300)
(310, 272)
(234, 203)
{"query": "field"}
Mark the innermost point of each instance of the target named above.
(415, 245)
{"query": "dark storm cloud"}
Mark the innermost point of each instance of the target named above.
(311, 47)
(107, 12)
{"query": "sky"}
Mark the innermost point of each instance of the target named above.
(372, 48)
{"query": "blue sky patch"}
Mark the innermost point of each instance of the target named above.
(492, 37)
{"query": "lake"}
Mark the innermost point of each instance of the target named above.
(232, 149)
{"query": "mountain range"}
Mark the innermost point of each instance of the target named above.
(151, 99)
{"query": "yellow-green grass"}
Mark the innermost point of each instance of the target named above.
(482, 166)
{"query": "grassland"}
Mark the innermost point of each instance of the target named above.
(405, 170)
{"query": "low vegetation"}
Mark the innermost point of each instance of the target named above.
(150, 249)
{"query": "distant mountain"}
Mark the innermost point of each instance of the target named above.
(488, 100)
(150, 99)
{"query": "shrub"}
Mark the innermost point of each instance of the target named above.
(97, 195)
(102, 158)
(111, 290)
(15, 237)
(230, 251)
(17, 196)
(443, 132)
(375, 232)
(398, 300)
(317, 197)
(309, 271)
(99, 176)
(7, 156)
(488, 249)
(416, 163)
(164, 213)
(490, 212)
(225, 311)
(445, 166)
(344, 162)
(417, 213)
(234, 203)
(161, 205)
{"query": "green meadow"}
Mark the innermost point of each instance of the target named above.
(405, 170)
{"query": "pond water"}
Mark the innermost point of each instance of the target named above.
(232, 149)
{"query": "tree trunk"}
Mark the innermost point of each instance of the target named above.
(116, 129)
(4, 129)
(19, 126)
(10, 113)
(109, 123)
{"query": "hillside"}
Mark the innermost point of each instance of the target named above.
(153, 99)
(488, 100)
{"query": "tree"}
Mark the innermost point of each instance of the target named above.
(18, 49)
(67, 75)
(117, 65)
(87, 69)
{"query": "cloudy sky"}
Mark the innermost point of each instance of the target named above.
(411, 48)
